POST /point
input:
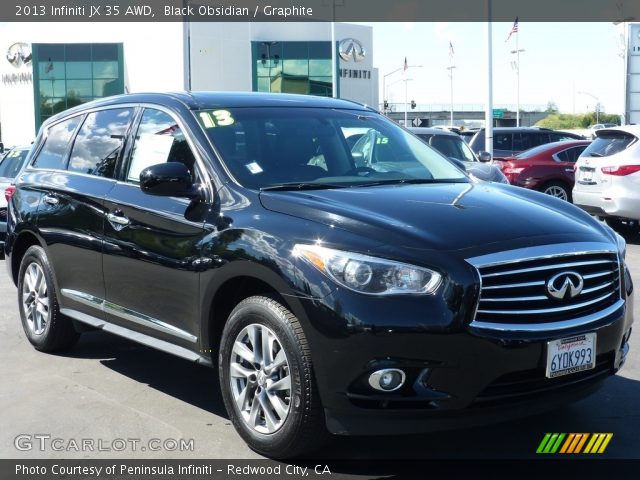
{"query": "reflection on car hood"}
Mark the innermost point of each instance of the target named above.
(442, 216)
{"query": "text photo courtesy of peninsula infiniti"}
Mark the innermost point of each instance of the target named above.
(338, 290)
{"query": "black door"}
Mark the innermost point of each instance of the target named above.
(71, 214)
(153, 244)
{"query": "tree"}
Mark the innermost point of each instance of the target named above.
(552, 107)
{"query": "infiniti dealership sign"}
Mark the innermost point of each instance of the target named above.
(19, 54)
(352, 49)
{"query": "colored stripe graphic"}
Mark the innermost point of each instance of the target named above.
(574, 443)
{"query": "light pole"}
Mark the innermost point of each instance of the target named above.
(450, 68)
(406, 101)
(597, 104)
(516, 66)
(488, 112)
(384, 81)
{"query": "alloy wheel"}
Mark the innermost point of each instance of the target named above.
(556, 191)
(35, 298)
(260, 379)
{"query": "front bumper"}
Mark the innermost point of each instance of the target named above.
(454, 378)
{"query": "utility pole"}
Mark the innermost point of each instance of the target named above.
(488, 113)
(517, 69)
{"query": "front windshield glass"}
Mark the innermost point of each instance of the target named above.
(277, 146)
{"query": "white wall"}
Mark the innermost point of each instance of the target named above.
(221, 54)
(153, 61)
(633, 74)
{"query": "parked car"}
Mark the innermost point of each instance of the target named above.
(236, 230)
(10, 165)
(453, 146)
(509, 141)
(608, 177)
(599, 126)
(467, 135)
(547, 168)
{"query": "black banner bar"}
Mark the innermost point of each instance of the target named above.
(318, 10)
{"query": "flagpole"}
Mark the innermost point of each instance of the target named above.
(450, 68)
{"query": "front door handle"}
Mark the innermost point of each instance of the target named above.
(118, 219)
(51, 200)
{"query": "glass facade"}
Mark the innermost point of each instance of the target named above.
(66, 75)
(292, 67)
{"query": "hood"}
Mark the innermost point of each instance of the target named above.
(443, 217)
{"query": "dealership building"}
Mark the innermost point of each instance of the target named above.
(49, 67)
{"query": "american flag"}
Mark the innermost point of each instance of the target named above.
(451, 51)
(514, 29)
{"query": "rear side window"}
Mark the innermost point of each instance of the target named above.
(100, 141)
(52, 153)
(502, 141)
(12, 162)
(607, 144)
(526, 140)
(570, 154)
(159, 139)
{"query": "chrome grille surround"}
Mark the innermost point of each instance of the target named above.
(513, 295)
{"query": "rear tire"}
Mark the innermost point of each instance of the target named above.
(558, 190)
(267, 380)
(46, 328)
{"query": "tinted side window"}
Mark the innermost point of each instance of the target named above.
(502, 141)
(100, 141)
(52, 153)
(571, 154)
(159, 139)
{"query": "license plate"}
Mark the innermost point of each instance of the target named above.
(571, 355)
(585, 176)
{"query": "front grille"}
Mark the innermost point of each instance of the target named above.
(3, 214)
(516, 292)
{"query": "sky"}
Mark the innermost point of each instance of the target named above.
(566, 63)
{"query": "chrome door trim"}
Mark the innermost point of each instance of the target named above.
(127, 314)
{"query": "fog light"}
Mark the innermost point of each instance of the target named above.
(387, 380)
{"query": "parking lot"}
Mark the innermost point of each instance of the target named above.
(108, 388)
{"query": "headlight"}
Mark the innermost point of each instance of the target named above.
(369, 275)
(622, 245)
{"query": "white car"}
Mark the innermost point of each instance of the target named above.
(608, 177)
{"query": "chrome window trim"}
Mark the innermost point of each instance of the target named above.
(126, 314)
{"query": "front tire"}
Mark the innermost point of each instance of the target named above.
(46, 328)
(267, 380)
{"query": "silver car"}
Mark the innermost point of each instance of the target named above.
(608, 177)
(452, 145)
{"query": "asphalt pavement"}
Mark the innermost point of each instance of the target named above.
(111, 398)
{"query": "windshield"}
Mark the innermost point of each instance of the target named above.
(450, 146)
(608, 143)
(318, 147)
(12, 162)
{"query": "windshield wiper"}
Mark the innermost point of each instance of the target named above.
(410, 181)
(300, 186)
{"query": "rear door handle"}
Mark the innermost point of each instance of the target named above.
(51, 200)
(118, 219)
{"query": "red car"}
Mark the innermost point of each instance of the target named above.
(547, 168)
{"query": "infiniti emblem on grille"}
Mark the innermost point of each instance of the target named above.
(565, 285)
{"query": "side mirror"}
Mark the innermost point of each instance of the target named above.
(484, 156)
(171, 179)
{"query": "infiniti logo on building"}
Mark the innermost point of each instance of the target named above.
(352, 49)
(565, 285)
(19, 54)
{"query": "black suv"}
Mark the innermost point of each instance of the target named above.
(236, 230)
(509, 141)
